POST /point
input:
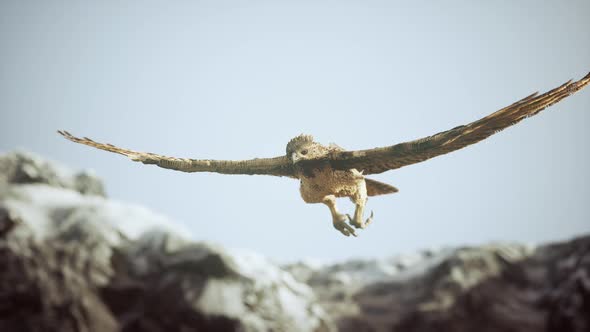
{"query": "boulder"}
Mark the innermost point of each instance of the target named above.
(23, 167)
(495, 287)
(73, 260)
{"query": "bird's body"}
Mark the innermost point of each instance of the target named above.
(328, 172)
(325, 184)
(319, 180)
(327, 181)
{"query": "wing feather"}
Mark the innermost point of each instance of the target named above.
(379, 160)
(278, 166)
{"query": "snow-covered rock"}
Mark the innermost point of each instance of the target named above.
(495, 287)
(22, 167)
(73, 260)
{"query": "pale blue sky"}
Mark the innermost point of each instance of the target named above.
(238, 79)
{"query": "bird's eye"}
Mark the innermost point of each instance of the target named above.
(304, 152)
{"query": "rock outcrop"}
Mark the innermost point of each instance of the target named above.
(73, 260)
(27, 168)
(505, 288)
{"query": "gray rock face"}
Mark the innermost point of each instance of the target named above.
(21, 167)
(378, 294)
(547, 291)
(73, 260)
(488, 288)
(47, 286)
(241, 288)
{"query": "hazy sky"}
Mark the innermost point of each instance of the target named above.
(238, 79)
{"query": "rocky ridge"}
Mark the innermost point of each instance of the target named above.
(73, 260)
(69, 265)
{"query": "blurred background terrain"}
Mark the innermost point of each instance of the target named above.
(75, 260)
(234, 80)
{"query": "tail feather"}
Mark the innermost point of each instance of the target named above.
(375, 188)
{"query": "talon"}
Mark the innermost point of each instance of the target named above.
(357, 221)
(350, 230)
(339, 221)
(369, 220)
(354, 222)
(344, 228)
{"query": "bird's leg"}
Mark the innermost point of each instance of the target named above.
(360, 200)
(357, 221)
(338, 219)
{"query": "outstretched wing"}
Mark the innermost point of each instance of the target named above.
(379, 160)
(278, 166)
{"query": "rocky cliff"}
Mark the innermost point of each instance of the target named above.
(73, 260)
(501, 287)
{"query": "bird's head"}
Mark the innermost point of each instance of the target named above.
(303, 147)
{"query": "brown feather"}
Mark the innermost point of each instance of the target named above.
(278, 166)
(379, 160)
(375, 188)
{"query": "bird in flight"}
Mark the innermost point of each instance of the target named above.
(328, 172)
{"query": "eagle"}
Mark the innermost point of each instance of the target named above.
(327, 172)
